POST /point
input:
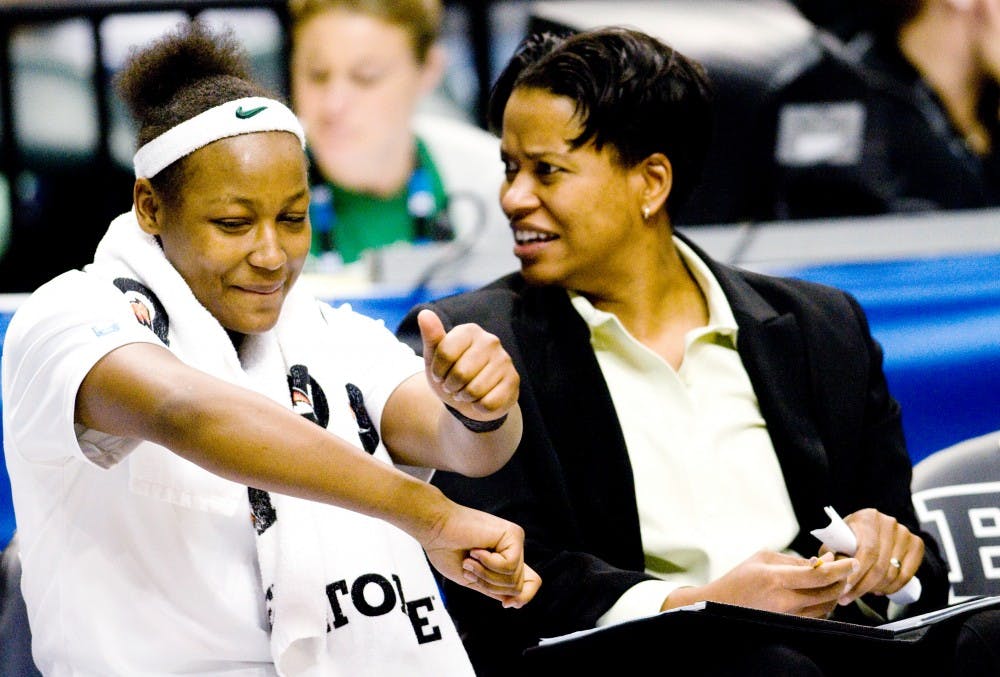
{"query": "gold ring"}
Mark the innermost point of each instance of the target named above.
(895, 562)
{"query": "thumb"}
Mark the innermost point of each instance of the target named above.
(431, 331)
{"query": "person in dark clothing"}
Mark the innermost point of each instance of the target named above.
(902, 118)
(685, 422)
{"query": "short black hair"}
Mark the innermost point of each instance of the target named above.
(633, 93)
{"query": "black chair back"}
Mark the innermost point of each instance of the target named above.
(956, 493)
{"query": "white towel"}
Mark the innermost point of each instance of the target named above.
(345, 594)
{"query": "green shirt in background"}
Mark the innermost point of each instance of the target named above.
(350, 222)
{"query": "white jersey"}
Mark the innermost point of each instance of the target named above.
(136, 562)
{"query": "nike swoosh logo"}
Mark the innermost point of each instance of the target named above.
(244, 114)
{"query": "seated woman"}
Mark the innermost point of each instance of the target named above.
(202, 456)
(686, 423)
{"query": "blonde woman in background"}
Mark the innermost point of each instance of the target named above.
(386, 170)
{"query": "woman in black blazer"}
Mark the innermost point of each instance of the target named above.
(685, 422)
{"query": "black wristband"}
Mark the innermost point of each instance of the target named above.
(474, 425)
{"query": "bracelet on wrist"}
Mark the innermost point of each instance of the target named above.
(475, 425)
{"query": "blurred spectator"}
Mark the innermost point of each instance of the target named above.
(902, 118)
(384, 169)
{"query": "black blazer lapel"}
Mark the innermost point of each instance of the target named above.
(579, 414)
(772, 351)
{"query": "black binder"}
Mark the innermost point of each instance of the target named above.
(676, 641)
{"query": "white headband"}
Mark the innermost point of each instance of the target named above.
(241, 116)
